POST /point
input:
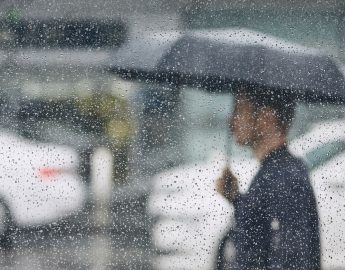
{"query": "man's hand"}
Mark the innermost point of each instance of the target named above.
(227, 185)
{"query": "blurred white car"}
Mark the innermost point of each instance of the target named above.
(39, 182)
(192, 219)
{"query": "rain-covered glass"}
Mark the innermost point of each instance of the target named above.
(156, 135)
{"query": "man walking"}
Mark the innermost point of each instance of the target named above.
(276, 220)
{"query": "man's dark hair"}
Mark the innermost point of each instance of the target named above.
(280, 101)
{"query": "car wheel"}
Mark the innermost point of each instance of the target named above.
(6, 226)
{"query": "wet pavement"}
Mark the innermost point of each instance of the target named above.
(115, 238)
(79, 252)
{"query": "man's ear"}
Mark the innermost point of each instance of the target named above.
(266, 120)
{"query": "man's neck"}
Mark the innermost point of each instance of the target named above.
(266, 145)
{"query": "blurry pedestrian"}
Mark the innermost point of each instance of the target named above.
(276, 220)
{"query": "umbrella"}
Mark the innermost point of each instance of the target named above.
(216, 60)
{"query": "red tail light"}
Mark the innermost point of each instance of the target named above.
(48, 172)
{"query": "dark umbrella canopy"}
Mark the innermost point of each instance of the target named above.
(214, 60)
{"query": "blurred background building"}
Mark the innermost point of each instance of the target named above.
(307, 21)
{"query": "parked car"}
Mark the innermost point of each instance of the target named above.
(192, 219)
(39, 183)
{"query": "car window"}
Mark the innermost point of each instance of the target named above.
(324, 153)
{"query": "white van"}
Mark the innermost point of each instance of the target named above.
(40, 183)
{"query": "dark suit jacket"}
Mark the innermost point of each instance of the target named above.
(276, 220)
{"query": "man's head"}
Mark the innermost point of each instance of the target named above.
(260, 113)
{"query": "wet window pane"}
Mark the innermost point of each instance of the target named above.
(172, 134)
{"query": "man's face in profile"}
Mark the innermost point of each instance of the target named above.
(242, 122)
